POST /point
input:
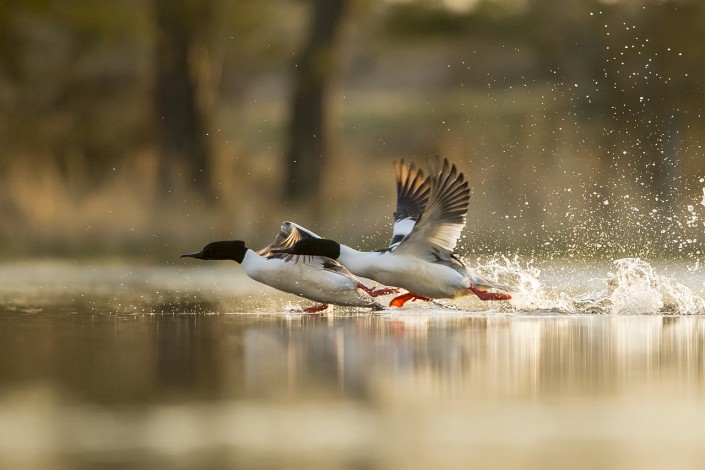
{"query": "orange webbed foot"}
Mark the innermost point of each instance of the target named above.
(484, 295)
(316, 308)
(404, 298)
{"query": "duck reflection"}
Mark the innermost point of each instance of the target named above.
(408, 356)
(472, 356)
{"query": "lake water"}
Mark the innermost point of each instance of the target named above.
(196, 366)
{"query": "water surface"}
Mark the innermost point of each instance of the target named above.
(105, 366)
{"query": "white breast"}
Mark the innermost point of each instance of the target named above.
(304, 280)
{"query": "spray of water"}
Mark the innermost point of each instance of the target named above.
(632, 287)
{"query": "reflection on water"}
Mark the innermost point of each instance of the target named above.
(101, 358)
(134, 377)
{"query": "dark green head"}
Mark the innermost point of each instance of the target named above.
(232, 249)
(314, 247)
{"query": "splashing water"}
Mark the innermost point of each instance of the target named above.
(633, 288)
(528, 291)
(636, 289)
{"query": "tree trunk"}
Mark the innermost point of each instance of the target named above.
(309, 134)
(180, 118)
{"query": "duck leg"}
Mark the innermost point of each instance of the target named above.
(484, 295)
(385, 291)
(316, 308)
(377, 292)
(404, 298)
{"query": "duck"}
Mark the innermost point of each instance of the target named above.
(421, 261)
(316, 278)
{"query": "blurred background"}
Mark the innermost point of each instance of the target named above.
(147, 128)
(132, 131)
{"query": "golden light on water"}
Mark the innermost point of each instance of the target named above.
(176, 379)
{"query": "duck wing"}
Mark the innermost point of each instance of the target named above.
(436, 233)
(288, 235)
(331, 265)
(413, 191)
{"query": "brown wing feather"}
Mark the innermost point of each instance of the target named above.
(413, 190)
(288, 235)
(443, 220)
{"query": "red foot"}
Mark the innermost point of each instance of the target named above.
(385, 291)
(316, 308)
(377, 292)
(484, 295)
(404, 298)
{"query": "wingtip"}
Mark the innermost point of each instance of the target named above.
(439, 166)
(413, 190)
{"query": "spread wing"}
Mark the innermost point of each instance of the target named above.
(438, 229)
(288, 235)
(413, 191)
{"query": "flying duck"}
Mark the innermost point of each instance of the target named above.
(422, 260)
(315, 278)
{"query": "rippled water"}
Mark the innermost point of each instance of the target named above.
(592, 366)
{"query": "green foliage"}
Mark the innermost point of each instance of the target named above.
(74, 82)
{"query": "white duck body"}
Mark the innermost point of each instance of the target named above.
(430, 216)
(433, 280)
(422, 260)
(314, 278)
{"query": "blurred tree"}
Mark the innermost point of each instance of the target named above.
(257, 38)
(309, 137)
(87, 117)
(181, 110)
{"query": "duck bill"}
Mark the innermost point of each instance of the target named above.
(198, 255)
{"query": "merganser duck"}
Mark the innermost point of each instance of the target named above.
(423, 261)
(315, 278)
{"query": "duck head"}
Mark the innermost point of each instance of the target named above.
(231, 249)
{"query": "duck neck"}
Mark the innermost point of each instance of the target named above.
(360, 263)
(250, 258)
(348, 254)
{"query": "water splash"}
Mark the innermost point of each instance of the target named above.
(528, 291)
(635, 288)
(632, 288)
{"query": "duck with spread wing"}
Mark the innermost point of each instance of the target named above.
(421, 258)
